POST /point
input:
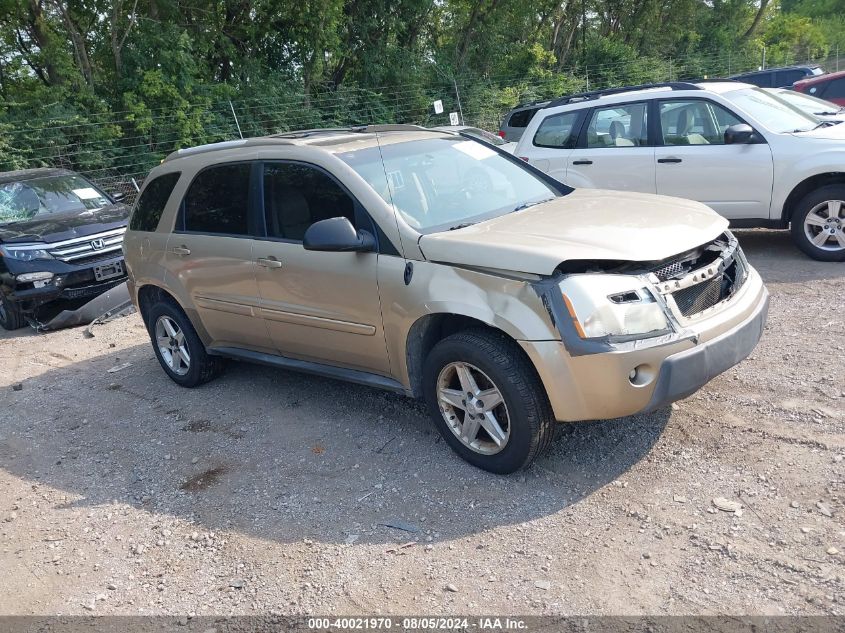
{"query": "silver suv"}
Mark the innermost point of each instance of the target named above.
(436, 266)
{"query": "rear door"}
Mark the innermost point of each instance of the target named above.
(613, 151)
(209, 258)
(553, 142)
(693, 161)
(318, 306)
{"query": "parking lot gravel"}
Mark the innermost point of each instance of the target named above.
(272, 492)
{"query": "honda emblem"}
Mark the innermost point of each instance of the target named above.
(97, 244)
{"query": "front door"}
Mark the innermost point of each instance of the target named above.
(319, 306)
(694, 162)
(614, 152)
(209, 258)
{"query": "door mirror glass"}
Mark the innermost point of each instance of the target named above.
(336, 234)
(739, 134)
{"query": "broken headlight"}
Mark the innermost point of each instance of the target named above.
(612, 305)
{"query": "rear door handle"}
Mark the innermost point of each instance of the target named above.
(670, 160)
(582, 162)
(269, 262)
(180, 250)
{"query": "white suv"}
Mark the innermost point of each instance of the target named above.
(753, 158)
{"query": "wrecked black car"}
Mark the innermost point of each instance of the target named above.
(60, 239)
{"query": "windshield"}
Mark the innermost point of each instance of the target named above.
(807, 103)
(442, 183)
(771, 112)
(51, 195)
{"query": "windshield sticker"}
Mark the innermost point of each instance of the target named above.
(87, 193)
(395, 179)
(476, 150)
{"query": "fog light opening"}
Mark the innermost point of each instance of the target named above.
(641, 375)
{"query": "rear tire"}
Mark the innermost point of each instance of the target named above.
(516, 423)
(11, 316)
(178, 347)
(818, 224)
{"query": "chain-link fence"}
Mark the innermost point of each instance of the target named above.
(117, 149)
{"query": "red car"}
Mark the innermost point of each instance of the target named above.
(830, 87)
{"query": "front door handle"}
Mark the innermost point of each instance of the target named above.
(582, 162)
(670, 160)
(180, 250)
(269, 262)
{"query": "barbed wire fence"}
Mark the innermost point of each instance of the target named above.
(117, 149)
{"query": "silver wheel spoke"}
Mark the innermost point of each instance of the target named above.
(494, 430)
(469, 429)
(453, 397)
(163, 341)
(821, 238)
(465, 377)
(833, 208)
(168, 326)
(184, 356)
(840, 237)
(490, 397)
(814, 219)
(180, 338)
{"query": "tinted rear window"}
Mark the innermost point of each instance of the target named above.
(522, 117)
(152, 202)
(788, 77)
(218, 201)
(835, 89)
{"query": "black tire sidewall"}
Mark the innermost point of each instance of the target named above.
(523, 435)
(829, 192)
(196, 348)
(14, 317)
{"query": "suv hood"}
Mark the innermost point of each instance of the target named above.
(586, 224)
(57, 228)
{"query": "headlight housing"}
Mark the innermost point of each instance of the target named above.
(613, 306)
(24, 252)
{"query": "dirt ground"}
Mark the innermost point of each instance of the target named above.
(270, 492)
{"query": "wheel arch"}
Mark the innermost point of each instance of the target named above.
(805, 187)
(432, 328)
(150, 293)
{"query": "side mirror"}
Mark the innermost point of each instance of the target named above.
(118, 196)
(739, 134)
(336, 234)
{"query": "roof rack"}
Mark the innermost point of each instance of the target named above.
(595, 94)
(528, 104)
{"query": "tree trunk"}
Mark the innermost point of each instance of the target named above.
(80, 51)
(757, 19)
(38, 30)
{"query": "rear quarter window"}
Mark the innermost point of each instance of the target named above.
(151, 204)
(522, 117)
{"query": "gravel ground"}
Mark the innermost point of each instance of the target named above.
(267, 491)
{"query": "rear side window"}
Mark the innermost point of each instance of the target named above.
(788, 77)
(152, 202)
(557, 130)
(218, 201)
(521, 118)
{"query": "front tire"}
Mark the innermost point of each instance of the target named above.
(487, 401)
(178, 347)
(11, 316)
(818, 224)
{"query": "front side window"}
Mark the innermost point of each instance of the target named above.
(618, 126)
(39, 198)
(440, 183)
(152, 201)
(217, 201)
(770, 112)
(557, 130)
(694, 122)
(297, 195)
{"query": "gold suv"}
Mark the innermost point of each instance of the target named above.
(434, 265)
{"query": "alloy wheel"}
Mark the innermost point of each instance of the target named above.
(172, 345)
(824, 225)
(473, 408)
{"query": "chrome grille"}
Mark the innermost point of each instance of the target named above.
(89, 248)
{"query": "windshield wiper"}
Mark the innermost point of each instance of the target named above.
(461, 226)
(525, 205)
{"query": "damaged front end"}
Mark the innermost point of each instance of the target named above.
(602, 306)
